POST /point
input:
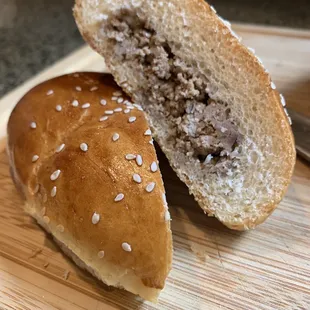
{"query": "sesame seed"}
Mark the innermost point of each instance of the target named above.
(153, 166)
(126, 111)
(84, 147)
(54, 176)
(109, 112)
(282, 100)
(148, 132)
(36, 189)
(115, 137)
(273, 85)
(86, 105)
(58, 108)
(150, 187)
(103, 102)
(101, 254)
(60, 228)
(50, 92)
(94, 88)
(213, 9)
(130, 156)
(118, 110)
(251, 50)
(126, 247)
(138, 107)
(33, 125)
(95, 218)
(119, 197)
(151, 142)
(103, 118)
(117, 93)
(120, 100)
(43, 211)
(208, 159)
(139, 160)
(136, 177)
(75, 103)
(46, 219)
(131, 119)
(130, 107)
(78, 88)
(114, 98)
(35, 158)
(290, 120)
(53, 191)
(60, 148)
(167, 216)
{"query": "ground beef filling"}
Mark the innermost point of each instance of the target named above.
(203, 128)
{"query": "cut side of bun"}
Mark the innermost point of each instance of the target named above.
(82, 156)
(212, 106)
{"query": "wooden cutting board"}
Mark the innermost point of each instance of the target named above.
(213, 267)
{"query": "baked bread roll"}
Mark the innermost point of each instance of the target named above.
(82, 156)
(212, 106)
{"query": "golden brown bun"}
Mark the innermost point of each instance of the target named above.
(199, 40)
(91, 179)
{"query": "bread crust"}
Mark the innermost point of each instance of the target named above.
(91, 178)
(200, 16)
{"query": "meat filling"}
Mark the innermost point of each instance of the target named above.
(202, 128)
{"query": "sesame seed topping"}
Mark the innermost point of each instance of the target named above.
(151, 142)
(60, 228)
(167, 216)
(33, 125)
(117, 93)
(94, 88)
(103, 102)
(148, 132)
(95, 218)
(126, 247)
(78, 88)
(53, 191)
(46, 219)
(60, 148)
(119, 197)
(282, 100)
(139, 160)
(290, 120)
(109, 112)
(213, 9)
(118, 110)
(251, 50)
(43, 211)
(114, 98)
(58, 108)
(130, 156)
(131, 119)
(273, 85)
(115, 137)
(120, 100)
(153, 166)
(103, 118)
(75, 103)
(84, 147)
(36, 189)
(136, 177)
(50, 92)
(126, 111)
(54, 176)
(86, 105)
(138, 106)
(101, 254)
(130, 107)
(35, 158)
(150, 187)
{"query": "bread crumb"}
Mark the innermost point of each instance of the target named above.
(66, 274)
(35, 253)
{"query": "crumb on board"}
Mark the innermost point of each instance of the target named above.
(35, 253)
(46, 264)
(66, 274)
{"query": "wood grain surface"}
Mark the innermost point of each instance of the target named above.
(213, 267)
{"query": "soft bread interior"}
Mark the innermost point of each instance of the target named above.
(213, 108)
